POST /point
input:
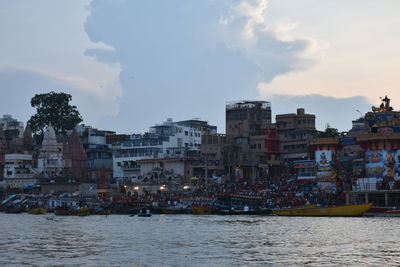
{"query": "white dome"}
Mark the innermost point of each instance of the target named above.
(49, 143)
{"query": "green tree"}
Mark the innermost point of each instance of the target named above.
(329, 132)
(54, 108)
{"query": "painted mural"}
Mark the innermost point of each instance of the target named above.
(382, 163)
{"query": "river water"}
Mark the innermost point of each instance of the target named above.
(188, 240)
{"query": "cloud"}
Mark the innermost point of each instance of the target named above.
(18, 87)
(46, 39)
(185, 59)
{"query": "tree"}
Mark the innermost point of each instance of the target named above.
(54, 108)
(329, 132)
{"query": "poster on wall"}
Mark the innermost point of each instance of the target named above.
(374, 166)
(323, 160)
(390, 163)
(397, 159)
(382, 163)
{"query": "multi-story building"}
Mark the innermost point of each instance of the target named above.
(295, 131)
(246, 122)
(247, 118)
(210, 162)
(18, 171)
(8, 123)
(99, 151)
(200, 125)
(168, 140)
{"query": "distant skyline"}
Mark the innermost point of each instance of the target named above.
(131, 64)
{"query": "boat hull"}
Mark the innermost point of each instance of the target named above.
(203, 210)
(38, 211)
(347, 210)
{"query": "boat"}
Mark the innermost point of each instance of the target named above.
(62, 211)
(144, 213)
(344, 210)
(82, 212)
(203, 210)
(175, 210)
(38, 211)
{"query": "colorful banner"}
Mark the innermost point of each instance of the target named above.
(303, 164)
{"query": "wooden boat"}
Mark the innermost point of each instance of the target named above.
(69, 212)
(203, 210)
(38, 211)
(82, 212)
(345, 210)
(175, 210)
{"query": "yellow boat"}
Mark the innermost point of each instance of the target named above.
(346, 210)
(38, 211)
(203, 210)
(82, 212)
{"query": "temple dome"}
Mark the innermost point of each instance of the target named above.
(49, 143)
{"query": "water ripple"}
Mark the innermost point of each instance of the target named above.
(168, 240)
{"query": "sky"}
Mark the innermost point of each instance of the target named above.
(131, 64)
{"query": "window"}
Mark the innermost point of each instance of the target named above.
(186, 132)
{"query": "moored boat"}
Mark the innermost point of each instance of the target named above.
(203, 210)
(144, 213)
(38, 211)
(345, 210)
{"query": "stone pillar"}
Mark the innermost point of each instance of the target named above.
(366, 197)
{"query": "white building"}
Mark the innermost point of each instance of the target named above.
(50, 162)
(18, 171)
(9, 123)
(168, 140)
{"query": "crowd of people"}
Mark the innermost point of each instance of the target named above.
(275, 193)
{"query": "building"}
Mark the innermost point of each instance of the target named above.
(168, 171)
(200, 125)
(18, 171)
(168, 140)
(50, 163)
(246, 123)
(75, 159)
(3, 151)
(9, 124)
(295, 131)
(211, 161)
(98, 147)
(247, 118)
(381, 145)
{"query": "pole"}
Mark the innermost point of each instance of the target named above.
(206, 172)
(253, 168)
